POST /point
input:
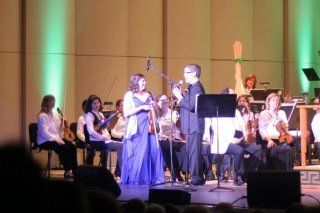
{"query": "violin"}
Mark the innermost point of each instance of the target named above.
(251, 125)
(67, 133)
(284, 135)
(153, 126)
(101, 125)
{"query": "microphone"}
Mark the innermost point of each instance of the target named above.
(148, 63)
(179, 84)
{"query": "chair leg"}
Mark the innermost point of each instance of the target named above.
(110, 161)
(49, 162)
(83, 156)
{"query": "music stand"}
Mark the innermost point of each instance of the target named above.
(316, 92)
(311, 74)
(216, 106)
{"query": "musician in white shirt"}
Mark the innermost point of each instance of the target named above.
(315, 126)
(50, 136)
(224, 141)
(99, 136)
(279, 153)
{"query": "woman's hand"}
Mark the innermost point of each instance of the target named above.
(145, 107)
(271, 143)
(60, 141)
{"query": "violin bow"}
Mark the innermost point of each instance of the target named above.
(115, 78)
(64, 106)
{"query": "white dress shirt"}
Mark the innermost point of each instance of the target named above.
(268, 121)
(315, 125)
(80, 133)
(223, 131)
(118, 130)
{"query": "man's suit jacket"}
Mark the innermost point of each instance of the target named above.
(190, 123)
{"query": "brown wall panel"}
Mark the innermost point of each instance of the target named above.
(268, 30)
(145, 28)
(49, 22)
(10, 93)
(35, 84)
(10, 24)
(94, 75)
(101, 27)
(10, 70)
(232, 20)
(188, 29)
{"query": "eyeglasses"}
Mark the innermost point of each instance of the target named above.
(188, 72)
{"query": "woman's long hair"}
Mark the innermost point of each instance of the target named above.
(45, 105)
(90, 100)
(133, 85)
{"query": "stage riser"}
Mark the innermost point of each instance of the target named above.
(309, 177)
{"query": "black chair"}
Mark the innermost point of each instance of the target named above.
(33, 133)
(79, 143)
(104, 150)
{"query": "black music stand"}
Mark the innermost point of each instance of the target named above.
(216, 106)
(311, 74)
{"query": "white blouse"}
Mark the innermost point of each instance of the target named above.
(48, 127)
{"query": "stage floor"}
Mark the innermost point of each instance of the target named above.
(203, 196)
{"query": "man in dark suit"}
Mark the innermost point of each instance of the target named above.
(192, 126)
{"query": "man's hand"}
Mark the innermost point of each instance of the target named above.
(176, 92)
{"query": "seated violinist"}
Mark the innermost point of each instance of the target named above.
(224, 138)
(165, 123)
(273, 126)
(252, 150)
(99, 135)
(117, 131)
(50, 136)
(315, 124)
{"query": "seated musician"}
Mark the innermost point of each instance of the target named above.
(80, 134)
(117, 131)
(248, 85)
(165, 123)
(272, 128)
(228, 144)
(99, 138)
(50, 136)
(315, 124)
(252, 150)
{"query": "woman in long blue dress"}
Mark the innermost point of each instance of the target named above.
(142, 158)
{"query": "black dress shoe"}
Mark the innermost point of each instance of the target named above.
(223, 178)
(199, 182)
(239, 181)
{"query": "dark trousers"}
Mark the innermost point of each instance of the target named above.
(103, 148)
(67, 153)
(165, 149)
(194, 143)
(238, 152)
(254, 151)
